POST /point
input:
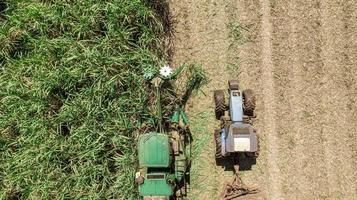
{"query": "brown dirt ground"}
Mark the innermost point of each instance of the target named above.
(300, 58)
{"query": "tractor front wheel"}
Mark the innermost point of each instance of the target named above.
(249, 102)
(219, 103)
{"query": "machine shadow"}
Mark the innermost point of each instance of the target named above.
(245, 163)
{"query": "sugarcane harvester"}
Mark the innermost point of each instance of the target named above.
(165, 154)
(236, 134)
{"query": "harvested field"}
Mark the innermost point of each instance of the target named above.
(300, 58)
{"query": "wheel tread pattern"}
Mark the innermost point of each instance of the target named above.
(217, 139)
(249, 102)
(219, 103)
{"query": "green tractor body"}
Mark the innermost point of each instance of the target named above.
(154, 159)
(163, 164)
(154, 150)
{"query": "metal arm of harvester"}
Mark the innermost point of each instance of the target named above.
(179, 114)
(157, 84)
(194, 81)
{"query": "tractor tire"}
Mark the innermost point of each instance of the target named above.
(217, 139)
(219, 103)
(249, 102)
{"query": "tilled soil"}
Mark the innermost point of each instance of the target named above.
(300, 58)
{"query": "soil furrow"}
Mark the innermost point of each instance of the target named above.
(295, 187)
(336, 118)
(269, 118)
(349, 63)
(289, 81)
(311, 141)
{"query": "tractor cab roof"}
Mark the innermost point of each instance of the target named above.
(154, 150)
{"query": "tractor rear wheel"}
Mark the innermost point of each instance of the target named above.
(249, 102)
(219, 103)
(217, 139)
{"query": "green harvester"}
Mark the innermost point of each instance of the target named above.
(164, 156)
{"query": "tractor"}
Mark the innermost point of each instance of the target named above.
(236, 135)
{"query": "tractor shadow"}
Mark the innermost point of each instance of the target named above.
(245, 163)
